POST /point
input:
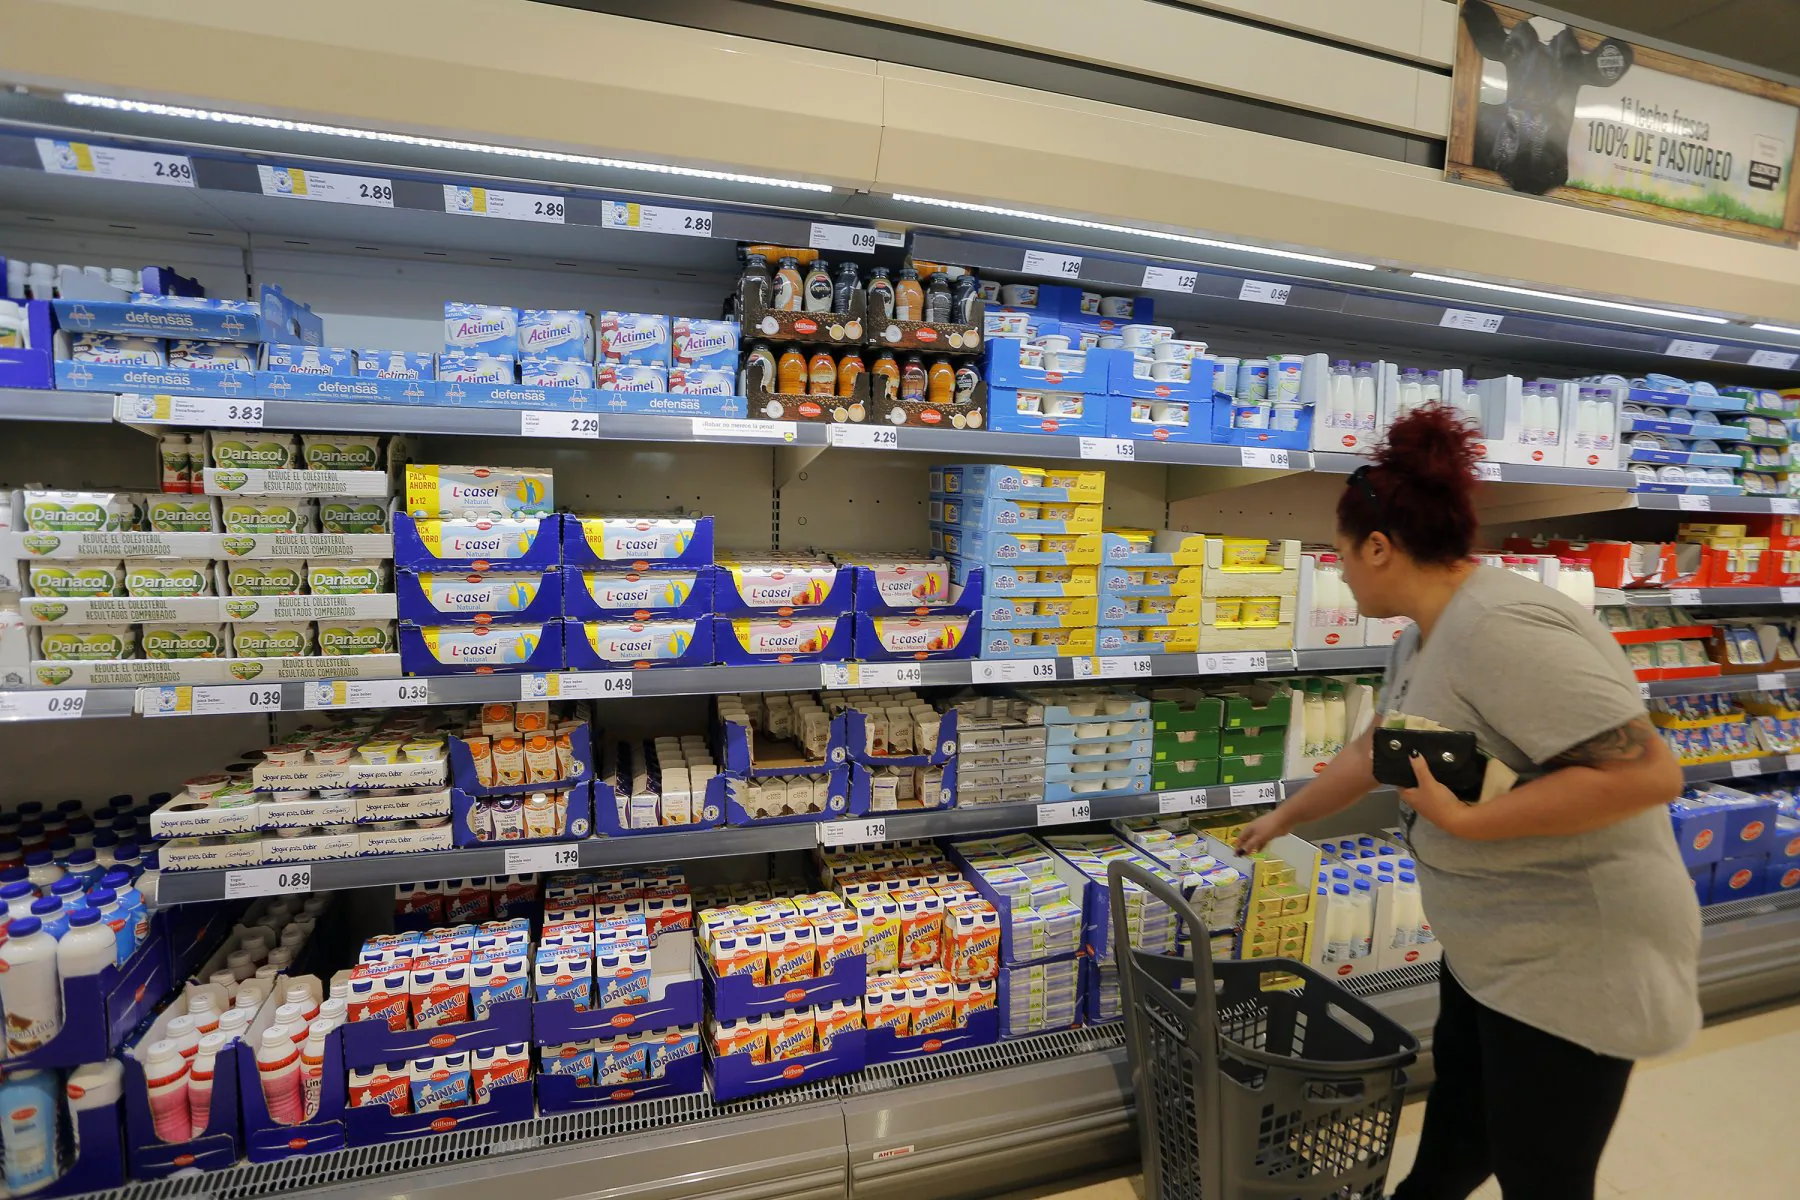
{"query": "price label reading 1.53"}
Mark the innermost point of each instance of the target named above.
(1489, 472)
(1035, 670)
(1170, 279)
(1066, 812)
(1743, 767)
(1042, 262)
(1113, 449)
(268, 881)
(522, 859)
(536, 423)
(1259, 291)
(852, 833)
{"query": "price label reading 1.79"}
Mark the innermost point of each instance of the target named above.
(852, 833)
(268, 881)
(1041, 262)
(523, 859)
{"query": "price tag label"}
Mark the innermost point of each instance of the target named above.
(46, 705)
(366, 693)
(509, 206)
(1790, 595)
(1031, 670)
(1781, 361)
(1793, 762)
(211, 411)
(1475, 322)
(1694, 503)
(756, 431)
(852, 833)
(1226, 664)
(1045, 262)
(1255, 793)
(1111, 449)
(1068, 812)
(1187, 800)
(104, 162)
(1259, 291)
(1488, 471)
(1684, 596)
(654, 218)
(850, 675)
(524, 859)
(268, 881)
(184, 701)
(578, 685)
(1685, 349)
(842, 237)
(1771, 682)
(1788, 507)
(1742, 767)
(1112, 666)
(537, 423)
(1272, 459)
(1643, 690)
(296, 184)
(863, 437)
(1170, 279)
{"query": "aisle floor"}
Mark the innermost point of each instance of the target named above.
(1731, 1091)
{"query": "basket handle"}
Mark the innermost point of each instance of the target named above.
(1206, 999)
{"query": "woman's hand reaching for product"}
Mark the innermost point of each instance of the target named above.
(1433, 801)
(1262, 831)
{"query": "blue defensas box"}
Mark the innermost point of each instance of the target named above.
(275, 319)
(282, 359)
(512, 544)
(553, 333)
(150, 380)
(477, 597)
(480, 649)
(1740, 878)
(620, 596)
(346, 389)
(638, 543)
(396, 364)
(627, 646)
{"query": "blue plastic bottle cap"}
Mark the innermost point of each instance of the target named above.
(1362, 885)
(1365, 841)
(65, 885)
(80, 916)
(1408, 877)
(101, 897)
(1342, 889)
(46, 904)
(38, 858)
(1340, 872)
(23, 927)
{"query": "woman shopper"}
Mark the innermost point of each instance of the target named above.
(1570, 931)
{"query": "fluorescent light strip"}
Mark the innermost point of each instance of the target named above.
(1185, 239)
(1789, 329)
(1612, 304)
(84, 100)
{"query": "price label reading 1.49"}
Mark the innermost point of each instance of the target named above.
(523, 859)
(1042, 262)
(1066, 812)
(536, 423)
(268, 881)
(1185, 800)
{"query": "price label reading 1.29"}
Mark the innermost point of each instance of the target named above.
(1042, 262)
(522, 859)
(510, 206)
(268, 881)
(535, 423)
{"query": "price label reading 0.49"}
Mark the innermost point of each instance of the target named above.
(522, 859)
(536, 423)
(1041, 262)
(268, 881)
(510, 206)
(851, 675)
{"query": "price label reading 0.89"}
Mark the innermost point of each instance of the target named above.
(268, 881)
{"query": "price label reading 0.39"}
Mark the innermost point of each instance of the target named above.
(536, 423)
(268, 881)
(367, 693)
(206, 701)
(521, 859)
(1041, 262)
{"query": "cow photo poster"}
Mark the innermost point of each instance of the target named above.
(1548, 109)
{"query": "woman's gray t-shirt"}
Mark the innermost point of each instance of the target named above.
(1593, 937)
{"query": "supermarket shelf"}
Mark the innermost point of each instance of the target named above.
(1669, 502)
(34, 404)
(1715, 597)
(1741, 768)
(186, 887)
(1728, 684)
(697, 681)
(1343, 464)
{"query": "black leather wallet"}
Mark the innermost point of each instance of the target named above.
(1451, 755)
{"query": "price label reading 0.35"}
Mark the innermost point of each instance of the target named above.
(1474, 322)
(1259, 291)
(268, 881)
(1170, 279)
(542, 424)
(42, 705)
(852, 833)
(296, 184)
(105, 162)
(647, 218)
(509, 206)
(1042, 262)
(1067, 812)
(863, 437)
(843, 237)
(1035, 670)
(522, 859)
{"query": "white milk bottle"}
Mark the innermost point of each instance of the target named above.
(1412, 391)
(1432, 391)
(1343, 396)
(1365, 396)
(1338, 920)
(1408, 911)
(88, 948)
(29, 986)
(1336, 719)
(1362, 900)
(278, 1069)
(1312, 715)
(166, 1080)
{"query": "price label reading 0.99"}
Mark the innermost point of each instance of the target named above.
(42, 705)
(521, 859)
(842, 237)
(268, 881)
(1259, 291)
(1041, 262)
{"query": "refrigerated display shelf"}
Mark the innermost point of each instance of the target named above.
(1741, 768)
(31, 404)
(1713, 597)
(40, 704)
(679, 845)
(1670, 502)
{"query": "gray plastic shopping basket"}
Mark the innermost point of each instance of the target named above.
(1258, 1080)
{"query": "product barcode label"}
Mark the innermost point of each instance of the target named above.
(1793, 762)
(863, 437)
(1259, 291)
(1786, 507)
(1255, 793)
(852, 833)
(650, 218)
(1044, 262)
(268, 881)
(1033, 670)
(1781, 361)
(523, 859)
(59, 157)
(1685, 349)
(1694, 503)
(295, 183)
(188, 410)
(1790, 595)
(1475, 322)
(1243, 660)
(552, 424)
(509, 206)
(1115, 449)
(46, 705)
(1684, 596)
(842, 237)
(366, 693)
(1066, 812)
(1170, 279)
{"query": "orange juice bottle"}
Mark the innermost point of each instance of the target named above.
(909, 297)
(790, 373)
(913, 379)
(941, 382)
(886, 381)
(848, 372)
(822, 374)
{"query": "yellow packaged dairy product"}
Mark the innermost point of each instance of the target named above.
(265, 577)
(92, 644)
(177, 641)
(75, 580)
(166, 577)
(272, 639)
